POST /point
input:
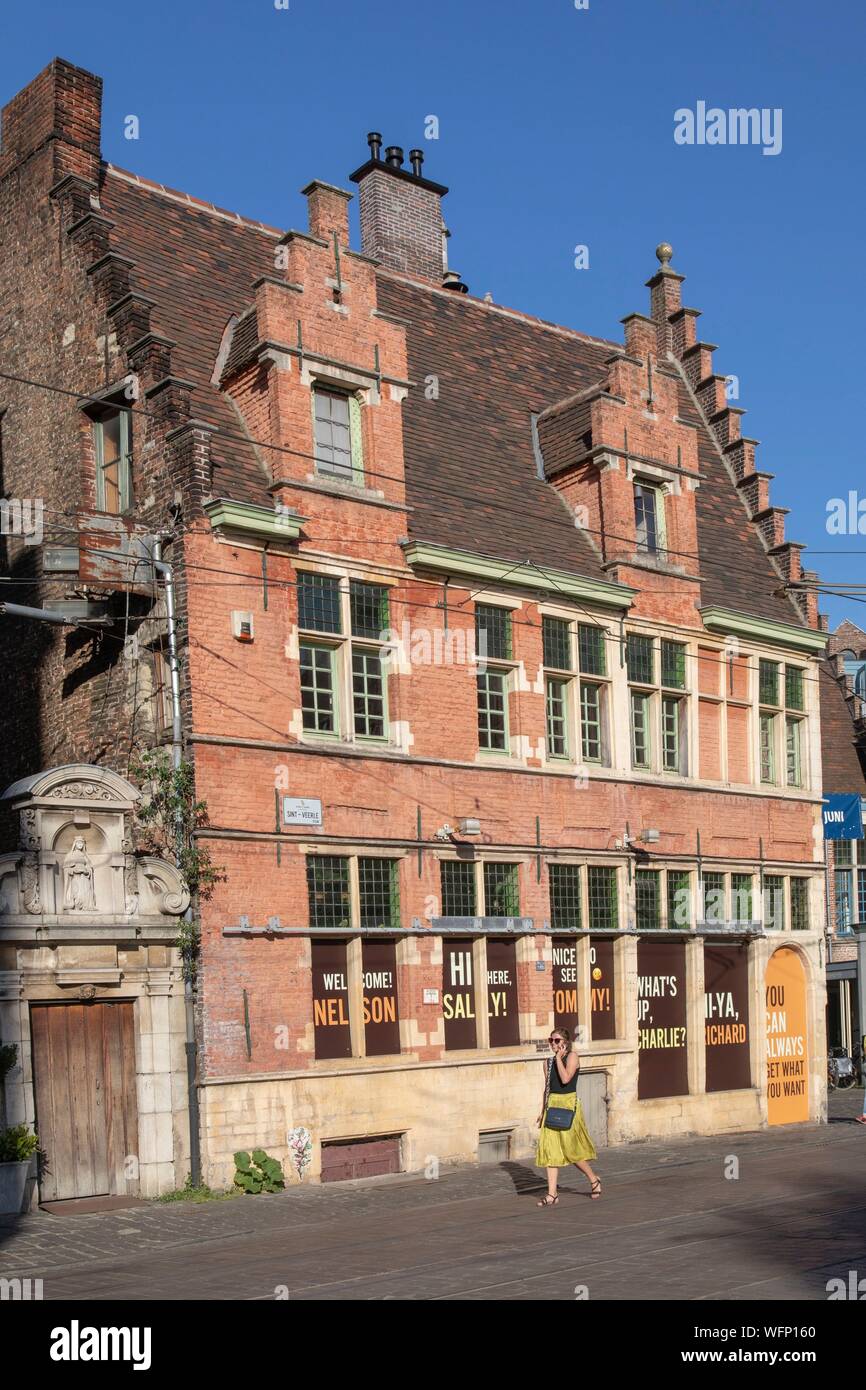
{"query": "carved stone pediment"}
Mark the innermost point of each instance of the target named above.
(75, 864)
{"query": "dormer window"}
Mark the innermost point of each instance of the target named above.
(112, 441)
(336, 418)
(648, 518)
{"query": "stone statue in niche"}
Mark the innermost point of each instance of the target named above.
(78, 894)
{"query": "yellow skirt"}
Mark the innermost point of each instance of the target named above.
(559, 1147)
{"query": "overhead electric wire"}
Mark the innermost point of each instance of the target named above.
(522, 512)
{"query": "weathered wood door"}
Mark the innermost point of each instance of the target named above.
(86, 1110)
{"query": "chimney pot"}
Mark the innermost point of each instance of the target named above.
(394, 156)
(417, 159)
(374, 140)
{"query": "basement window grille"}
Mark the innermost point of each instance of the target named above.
(799, 904)
(565, 896)
(379, 892)
(741, 897)
(602, 896)
(679, 899)
(647, 902)
(457, 878)
(328, 891)
(501, 897)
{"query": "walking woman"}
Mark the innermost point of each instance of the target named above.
(563, 1141)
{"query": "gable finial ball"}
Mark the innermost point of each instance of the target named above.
(664, 251)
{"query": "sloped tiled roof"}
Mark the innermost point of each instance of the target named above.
(471, 471)
(841, 764)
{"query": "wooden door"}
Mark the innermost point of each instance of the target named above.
(86, 1111)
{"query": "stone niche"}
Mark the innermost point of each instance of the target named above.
(75, 865)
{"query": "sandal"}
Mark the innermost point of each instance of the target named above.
(547, 1201)
(595, 1189)
(861, 1119)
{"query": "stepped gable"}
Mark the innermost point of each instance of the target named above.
(198, 267)
(471, 469)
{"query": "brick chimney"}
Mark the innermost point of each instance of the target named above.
(401, 212)
(59, 111)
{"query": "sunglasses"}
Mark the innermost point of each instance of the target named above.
(555, 1040)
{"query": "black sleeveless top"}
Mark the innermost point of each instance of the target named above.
(557, 1085)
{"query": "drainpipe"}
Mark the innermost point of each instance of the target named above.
(167, 573)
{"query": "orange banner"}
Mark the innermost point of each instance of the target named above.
(787, 1039)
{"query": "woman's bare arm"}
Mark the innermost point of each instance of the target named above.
(568, 1066)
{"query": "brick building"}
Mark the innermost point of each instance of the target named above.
(843, 736)
(490, 678)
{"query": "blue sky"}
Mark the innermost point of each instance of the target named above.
(555, 129)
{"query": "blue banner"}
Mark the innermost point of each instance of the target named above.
(843, 817)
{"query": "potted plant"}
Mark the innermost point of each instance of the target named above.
(19, 1150)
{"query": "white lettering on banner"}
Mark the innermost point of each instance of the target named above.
(381, 979)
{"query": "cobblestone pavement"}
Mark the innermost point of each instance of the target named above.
(670, 1225)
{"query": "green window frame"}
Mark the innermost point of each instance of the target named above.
(379, 893)
(647, 899)
(671, 734)
(768, 682)
(774, 902)
(673, 660)
(713, 904)
(648, 518)
(337, 433)
(458, 887)
(793, 753)
(369, 698)
(602, 898)
(369, 610)
(556, 643)
(641, 749)
(319, 602)
(112, 443)
(742, 906)
(591, 649)
(794, 688)
(799, 904)
(501, 890)
(493, 634)
(556, 702)
(328, 891)
(591, 727)
(640, 658)
(679, 899)
(320, 710)
(565, 896)
(492, 689)
(767, 726)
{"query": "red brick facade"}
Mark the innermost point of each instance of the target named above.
(449, 506)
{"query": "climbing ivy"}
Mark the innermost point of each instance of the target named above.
(168, 819)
